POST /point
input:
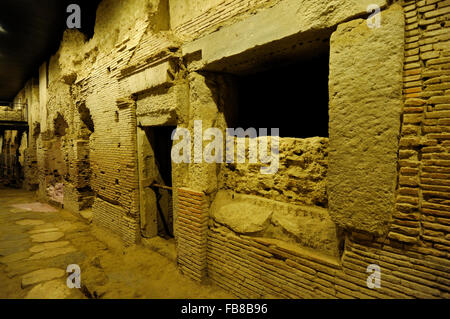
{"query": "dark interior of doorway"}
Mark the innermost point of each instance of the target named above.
(161, 140)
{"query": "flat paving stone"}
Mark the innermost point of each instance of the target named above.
(51, 245)
(15, 257)
(30, 222)
(41, 275)
(44, 226)
(23, 267)
(46, 237)
(53, 253)
(54, 289)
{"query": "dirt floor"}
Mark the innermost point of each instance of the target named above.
(38, 242)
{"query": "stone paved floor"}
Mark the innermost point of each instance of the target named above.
(36, 247)
(38, 242)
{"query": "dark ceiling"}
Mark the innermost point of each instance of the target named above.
(30, 32)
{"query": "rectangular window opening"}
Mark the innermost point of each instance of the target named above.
(292, 97)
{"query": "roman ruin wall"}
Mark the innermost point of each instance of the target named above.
(374, 190)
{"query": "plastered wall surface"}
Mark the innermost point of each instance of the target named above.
(375, 191)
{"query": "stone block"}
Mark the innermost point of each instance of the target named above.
(365, 109)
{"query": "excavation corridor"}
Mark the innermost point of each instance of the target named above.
(38, 242)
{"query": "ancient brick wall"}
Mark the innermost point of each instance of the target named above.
(28, 101)
(202, 22)
(78, 87)
(113, 143)
(133, 66)
(259, 267)
(414, 258)
(423, 193)
(83, 78)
